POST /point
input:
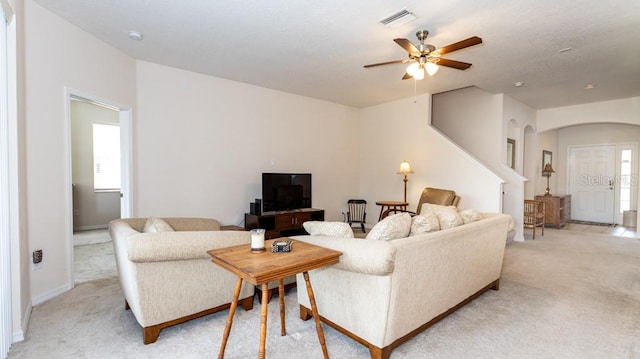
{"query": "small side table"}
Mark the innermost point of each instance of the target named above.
(391, 205)
(262, 268)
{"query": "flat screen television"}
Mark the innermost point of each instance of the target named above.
(285, 191)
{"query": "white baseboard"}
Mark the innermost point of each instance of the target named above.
(49, 295)
(19, 335)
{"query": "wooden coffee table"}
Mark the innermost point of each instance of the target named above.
(262, 268)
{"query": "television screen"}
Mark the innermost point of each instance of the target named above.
(286, 191)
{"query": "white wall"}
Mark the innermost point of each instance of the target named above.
(482, 126)
(516, 117)
(201, 144)
(476, 125)
(393, 132)
(621, 111)
(590, 134)
(530, 147)
(59, 55)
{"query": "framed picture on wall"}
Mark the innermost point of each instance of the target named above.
(511, 153)
(547, 157)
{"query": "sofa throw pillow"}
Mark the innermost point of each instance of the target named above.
(470, 215)
(392, 227)
(424, 224)
(447, 215)
(154, 224)
(328, 229)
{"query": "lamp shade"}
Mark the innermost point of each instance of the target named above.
(432, 68)
(416, 70)
(548, 170)
(405, 168)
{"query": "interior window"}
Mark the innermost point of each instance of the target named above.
(625, 180)
(106, 157)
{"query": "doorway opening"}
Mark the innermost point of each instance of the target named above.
(100, 157)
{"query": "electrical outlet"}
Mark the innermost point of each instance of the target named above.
(37, 256)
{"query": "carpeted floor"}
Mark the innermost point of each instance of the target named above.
(93, 256)
(93, 236)
(565, 295)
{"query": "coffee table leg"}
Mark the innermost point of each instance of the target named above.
(232, 311)
(283, 329)
(263, 321)
(316, 316)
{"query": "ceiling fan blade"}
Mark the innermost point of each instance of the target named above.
(407, 76)
(386, 63)
(453, 64)
(460, 45)
(408, 46)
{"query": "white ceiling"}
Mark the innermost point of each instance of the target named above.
(318, 48)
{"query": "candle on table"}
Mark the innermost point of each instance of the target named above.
(257, 240)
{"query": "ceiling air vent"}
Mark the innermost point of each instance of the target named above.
(399, 18)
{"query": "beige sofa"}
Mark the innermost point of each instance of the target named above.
(168, 278)
(382, 293)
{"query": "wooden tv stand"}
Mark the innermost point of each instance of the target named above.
(282, 223)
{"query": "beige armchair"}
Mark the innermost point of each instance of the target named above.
(167, 276)
(443, 197)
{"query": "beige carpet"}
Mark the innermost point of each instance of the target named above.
(93, 256)
(564, 295)
(92, 236)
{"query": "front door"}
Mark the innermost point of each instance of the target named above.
(591, 183)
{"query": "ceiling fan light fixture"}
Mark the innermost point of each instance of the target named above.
(432, 68)
(427, 56)
(416, 70)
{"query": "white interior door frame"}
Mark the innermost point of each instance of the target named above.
(614, 181)
(8, 173)
(126, 143)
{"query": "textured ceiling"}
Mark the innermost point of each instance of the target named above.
(318, 48)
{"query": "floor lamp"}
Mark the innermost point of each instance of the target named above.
(405, 169)
(547, 171)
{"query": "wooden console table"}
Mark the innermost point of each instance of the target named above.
(262, 268)
(282, 223)
(558, 209)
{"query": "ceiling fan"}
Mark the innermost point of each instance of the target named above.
(426, 57)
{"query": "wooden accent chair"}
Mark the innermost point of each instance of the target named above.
(534, 215)
(443, 197)
(356, 212)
